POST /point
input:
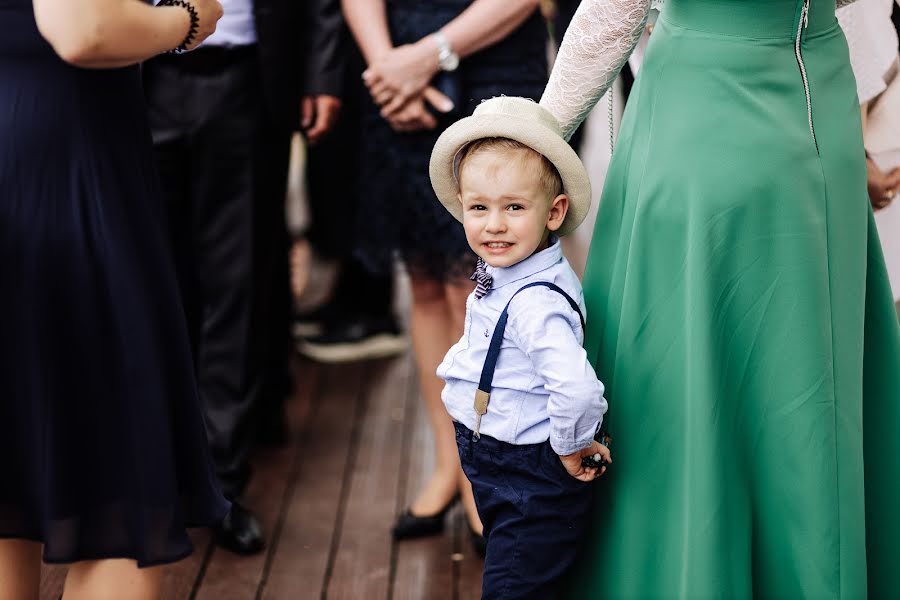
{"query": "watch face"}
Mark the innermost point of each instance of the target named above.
(449, 61)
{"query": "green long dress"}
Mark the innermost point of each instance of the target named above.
(741, 317)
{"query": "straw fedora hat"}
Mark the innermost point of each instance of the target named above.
(518, 119)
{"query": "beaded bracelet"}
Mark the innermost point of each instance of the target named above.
(195, 23)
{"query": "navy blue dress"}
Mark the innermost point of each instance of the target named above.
(399, 212)
(102, 447)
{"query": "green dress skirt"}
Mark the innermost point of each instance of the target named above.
(741, 317)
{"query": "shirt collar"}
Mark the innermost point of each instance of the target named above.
(533, 264)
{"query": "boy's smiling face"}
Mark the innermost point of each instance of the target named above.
(508, 213)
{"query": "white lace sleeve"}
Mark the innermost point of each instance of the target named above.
(599, 40)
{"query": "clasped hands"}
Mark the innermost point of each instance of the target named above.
(398, 81)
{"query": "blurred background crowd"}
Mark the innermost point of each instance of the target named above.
(294, 145)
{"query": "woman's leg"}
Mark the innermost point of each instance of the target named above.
(456, 294)
(20, 569)
(116, 579)
(430, 326)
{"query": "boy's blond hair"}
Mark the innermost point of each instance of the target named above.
(549, 177)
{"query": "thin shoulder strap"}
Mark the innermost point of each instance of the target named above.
(490, 363)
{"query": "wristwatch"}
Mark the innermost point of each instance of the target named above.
(448, 60)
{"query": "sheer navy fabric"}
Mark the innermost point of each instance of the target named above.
(102, 447)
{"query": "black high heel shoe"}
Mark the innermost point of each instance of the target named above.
(410, 526)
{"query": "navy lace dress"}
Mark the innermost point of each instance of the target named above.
(102, 446)
(399, 213)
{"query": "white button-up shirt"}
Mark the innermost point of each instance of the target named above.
(237, 27)
(544, 387)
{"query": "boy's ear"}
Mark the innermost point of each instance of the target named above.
(559, 206)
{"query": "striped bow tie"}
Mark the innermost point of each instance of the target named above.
(483, 279)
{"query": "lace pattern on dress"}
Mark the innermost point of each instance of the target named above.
(599, 40)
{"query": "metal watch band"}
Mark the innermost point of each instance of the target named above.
(448, 60)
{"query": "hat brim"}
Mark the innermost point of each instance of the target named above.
(576, 184)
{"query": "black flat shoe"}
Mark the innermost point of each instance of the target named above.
(240, 531)
(410, 526)
(479, 543)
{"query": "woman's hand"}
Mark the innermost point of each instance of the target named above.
(318, 115)
(415, 116)
(882, 186)
(208, 13)
(400, 74)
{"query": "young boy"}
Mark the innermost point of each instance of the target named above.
(527, 404)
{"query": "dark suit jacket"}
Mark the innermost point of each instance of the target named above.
(303, 48)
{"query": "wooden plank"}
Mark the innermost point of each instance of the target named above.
(469, 565)
(362, 564)
(424, 568)
(229, 576)
(300, 555)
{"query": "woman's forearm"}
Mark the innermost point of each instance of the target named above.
(486, 22)
(109, 33)
(367, 20)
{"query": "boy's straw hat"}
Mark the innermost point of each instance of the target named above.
(518, 119)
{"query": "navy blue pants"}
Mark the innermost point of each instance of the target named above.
(535, 514)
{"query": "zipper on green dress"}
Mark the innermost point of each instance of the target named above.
(612, 133)
(801, 26)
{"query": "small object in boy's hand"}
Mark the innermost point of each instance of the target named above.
(597, 461)
(593, 462)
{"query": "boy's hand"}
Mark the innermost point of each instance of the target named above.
(572, 462)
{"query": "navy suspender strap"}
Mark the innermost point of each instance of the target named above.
(483, 394)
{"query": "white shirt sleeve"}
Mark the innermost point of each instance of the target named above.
(597, 43)
(543, 326)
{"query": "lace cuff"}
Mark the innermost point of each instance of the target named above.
(600, 38)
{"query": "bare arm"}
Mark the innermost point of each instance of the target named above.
(116, 33)
(484, 23)
(367, 20)
(398, 75)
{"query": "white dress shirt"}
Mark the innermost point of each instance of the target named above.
(544, 387)
(237, 27)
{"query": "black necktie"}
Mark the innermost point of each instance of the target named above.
(482, 278)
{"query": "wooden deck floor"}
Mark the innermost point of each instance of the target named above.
(360, 449)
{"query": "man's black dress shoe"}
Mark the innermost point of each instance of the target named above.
(240, 531)
(409, 526)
